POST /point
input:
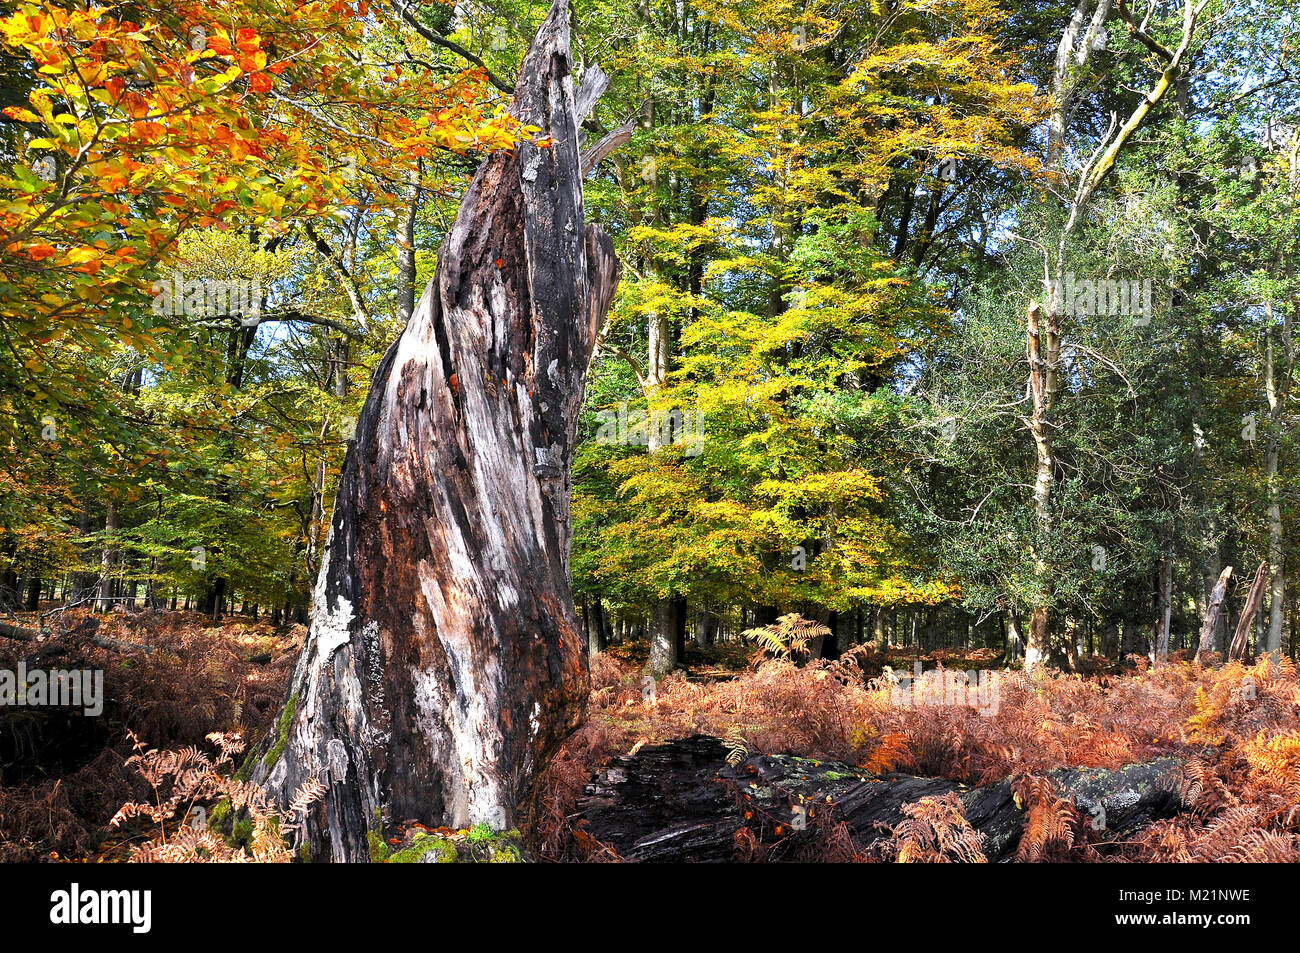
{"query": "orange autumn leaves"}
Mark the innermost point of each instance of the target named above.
(144, 121)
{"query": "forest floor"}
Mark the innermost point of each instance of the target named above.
(1234, 729)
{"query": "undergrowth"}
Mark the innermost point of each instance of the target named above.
(1233, 726)
(198, 679)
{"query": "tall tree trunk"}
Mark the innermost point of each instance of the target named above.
(444, 662)
(597, 639)
(702, 639)
(1044, 324)
(663, 637)
(1072, 642)
(83, 583)
(602, 625)
(1015, 634)
(1044, 341)
(108, 559)
(1164, 611)
(406, 268)
(9, 575)
(1277, 388)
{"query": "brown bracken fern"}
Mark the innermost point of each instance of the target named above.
(185, 784)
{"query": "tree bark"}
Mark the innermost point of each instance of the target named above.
(1277, 389)
(1044, 344)
(596, 640)
(1015, 634)
(444, 661)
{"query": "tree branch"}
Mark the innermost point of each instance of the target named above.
(405, 13)
(607, 144)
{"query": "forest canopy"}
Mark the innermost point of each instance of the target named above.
(811, 392)
(955, 329)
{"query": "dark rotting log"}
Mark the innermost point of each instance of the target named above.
(682, 802)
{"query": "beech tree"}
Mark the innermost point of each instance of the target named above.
(444, 661)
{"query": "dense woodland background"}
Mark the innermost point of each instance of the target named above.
(811, 396)
(829, 218)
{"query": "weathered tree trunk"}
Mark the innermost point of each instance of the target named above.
(444, 661)
(1241, 638)
(1213, 608)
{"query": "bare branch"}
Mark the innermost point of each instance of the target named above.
(607, 144)
(405, 13)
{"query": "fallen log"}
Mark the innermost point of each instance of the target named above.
(681, 802)
(86, 629)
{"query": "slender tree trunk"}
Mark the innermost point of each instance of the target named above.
(663, 646)
(602, 624)
(1015, 634)
(1044, 342)
(9, 593)
(108, 559)
(1211, 569)
(1164, 611)
(406, 267)
(1044, 324)
(444, 663)
(596, 640)
(1277, 388)
(1072, 642)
